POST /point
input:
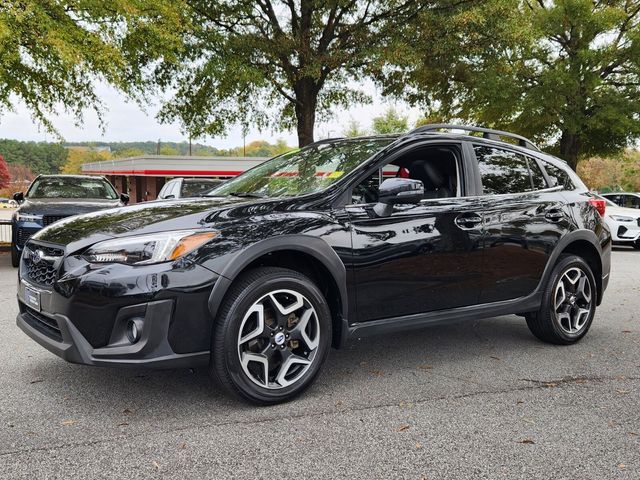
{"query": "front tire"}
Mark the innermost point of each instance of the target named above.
(15, 256)
(568, 305)
(636, 244)
(271, 336)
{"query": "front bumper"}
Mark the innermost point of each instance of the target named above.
(82, 317)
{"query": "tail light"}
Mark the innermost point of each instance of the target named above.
(599, 205)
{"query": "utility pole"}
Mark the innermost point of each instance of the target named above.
(158, 148)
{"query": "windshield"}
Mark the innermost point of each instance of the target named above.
(71, 187)
(194, 188)
(300, 172)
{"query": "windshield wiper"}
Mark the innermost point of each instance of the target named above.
(247, 194)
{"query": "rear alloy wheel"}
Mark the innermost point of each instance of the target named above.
(568, 305)
(272, 335)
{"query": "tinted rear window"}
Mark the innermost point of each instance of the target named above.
(191, 188)
(503, 171)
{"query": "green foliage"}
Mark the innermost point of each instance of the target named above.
(390, 122)
(244, 60)
(353, 129)
(617, 174)
(260, 148)
(53, 51)
(78, 156)
(39, 157)
(566, 73)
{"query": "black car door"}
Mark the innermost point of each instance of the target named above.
(523, 219)
(422, 257)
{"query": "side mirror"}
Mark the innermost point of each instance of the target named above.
(397, 191)
(124, 198)
(18, 197)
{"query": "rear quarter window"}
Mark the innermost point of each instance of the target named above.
(559, 177)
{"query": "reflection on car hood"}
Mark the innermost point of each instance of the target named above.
(151, 217)
(65, 206)
(623, 211)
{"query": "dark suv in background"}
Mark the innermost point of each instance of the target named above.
(342, 239)
(50, 198)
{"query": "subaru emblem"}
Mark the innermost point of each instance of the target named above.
(36, 256)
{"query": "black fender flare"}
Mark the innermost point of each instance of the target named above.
(565, 241)
(313, 246)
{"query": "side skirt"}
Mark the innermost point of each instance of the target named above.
(416, 321)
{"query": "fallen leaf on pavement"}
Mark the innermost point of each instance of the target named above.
(37, 380)
(527, 441)
(126, 411)
(633, 434)
(418, 446)
(622, 466)
(550, 384)
(623, 392)
(626, 331)
(424, 367)
(123, 424)
(67, 423)
(183, 445)
(495, 358)
(155, 464)
(377, 373)
(403, 427)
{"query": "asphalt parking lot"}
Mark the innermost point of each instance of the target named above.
(472, 400)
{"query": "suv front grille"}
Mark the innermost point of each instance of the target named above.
(41, 263)
(23, 234)
(49, 219)
(40, 322)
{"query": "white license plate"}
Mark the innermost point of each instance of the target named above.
(32, 298)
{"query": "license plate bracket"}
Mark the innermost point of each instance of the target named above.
(32, 298)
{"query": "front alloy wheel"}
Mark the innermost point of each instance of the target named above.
(271, 336)
(278, 339)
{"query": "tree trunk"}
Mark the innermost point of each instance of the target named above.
(305, 109)
(570, 146)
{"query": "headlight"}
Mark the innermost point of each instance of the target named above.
(146, 249)
(621, 218)
(28, 217)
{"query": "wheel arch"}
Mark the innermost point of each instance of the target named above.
(585, 245)
(310, 256)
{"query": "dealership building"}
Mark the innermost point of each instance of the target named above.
(143, 177)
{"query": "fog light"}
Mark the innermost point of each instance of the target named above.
(134, 329)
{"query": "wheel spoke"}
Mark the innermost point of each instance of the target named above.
(581, 317)
(258, 310)
(257, 358)
(299, 302)
(560, 290)
(290, 362)
(565, 316)
(584, 289)
(300, 331)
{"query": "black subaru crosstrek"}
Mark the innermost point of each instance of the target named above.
(342, 239)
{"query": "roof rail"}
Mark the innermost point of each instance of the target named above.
(488, 133)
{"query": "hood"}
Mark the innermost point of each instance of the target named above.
(150, 217)
(627, 212)
(65, 206)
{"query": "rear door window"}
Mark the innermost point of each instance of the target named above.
(504, 171)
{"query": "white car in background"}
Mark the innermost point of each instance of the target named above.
(624, 224)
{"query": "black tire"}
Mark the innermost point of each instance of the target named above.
(636, 244)
(546, 323)
(250, 289)
(15, 256)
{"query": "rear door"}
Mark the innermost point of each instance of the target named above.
(524, 218)
(422, 257)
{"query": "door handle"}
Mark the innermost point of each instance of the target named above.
(554, 214)
(468, 221)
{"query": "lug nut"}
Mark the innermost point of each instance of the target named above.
(287, 335)
(273, 345)
(282, 347)
(272, 334)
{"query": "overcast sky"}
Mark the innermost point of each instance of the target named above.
(126, 121)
